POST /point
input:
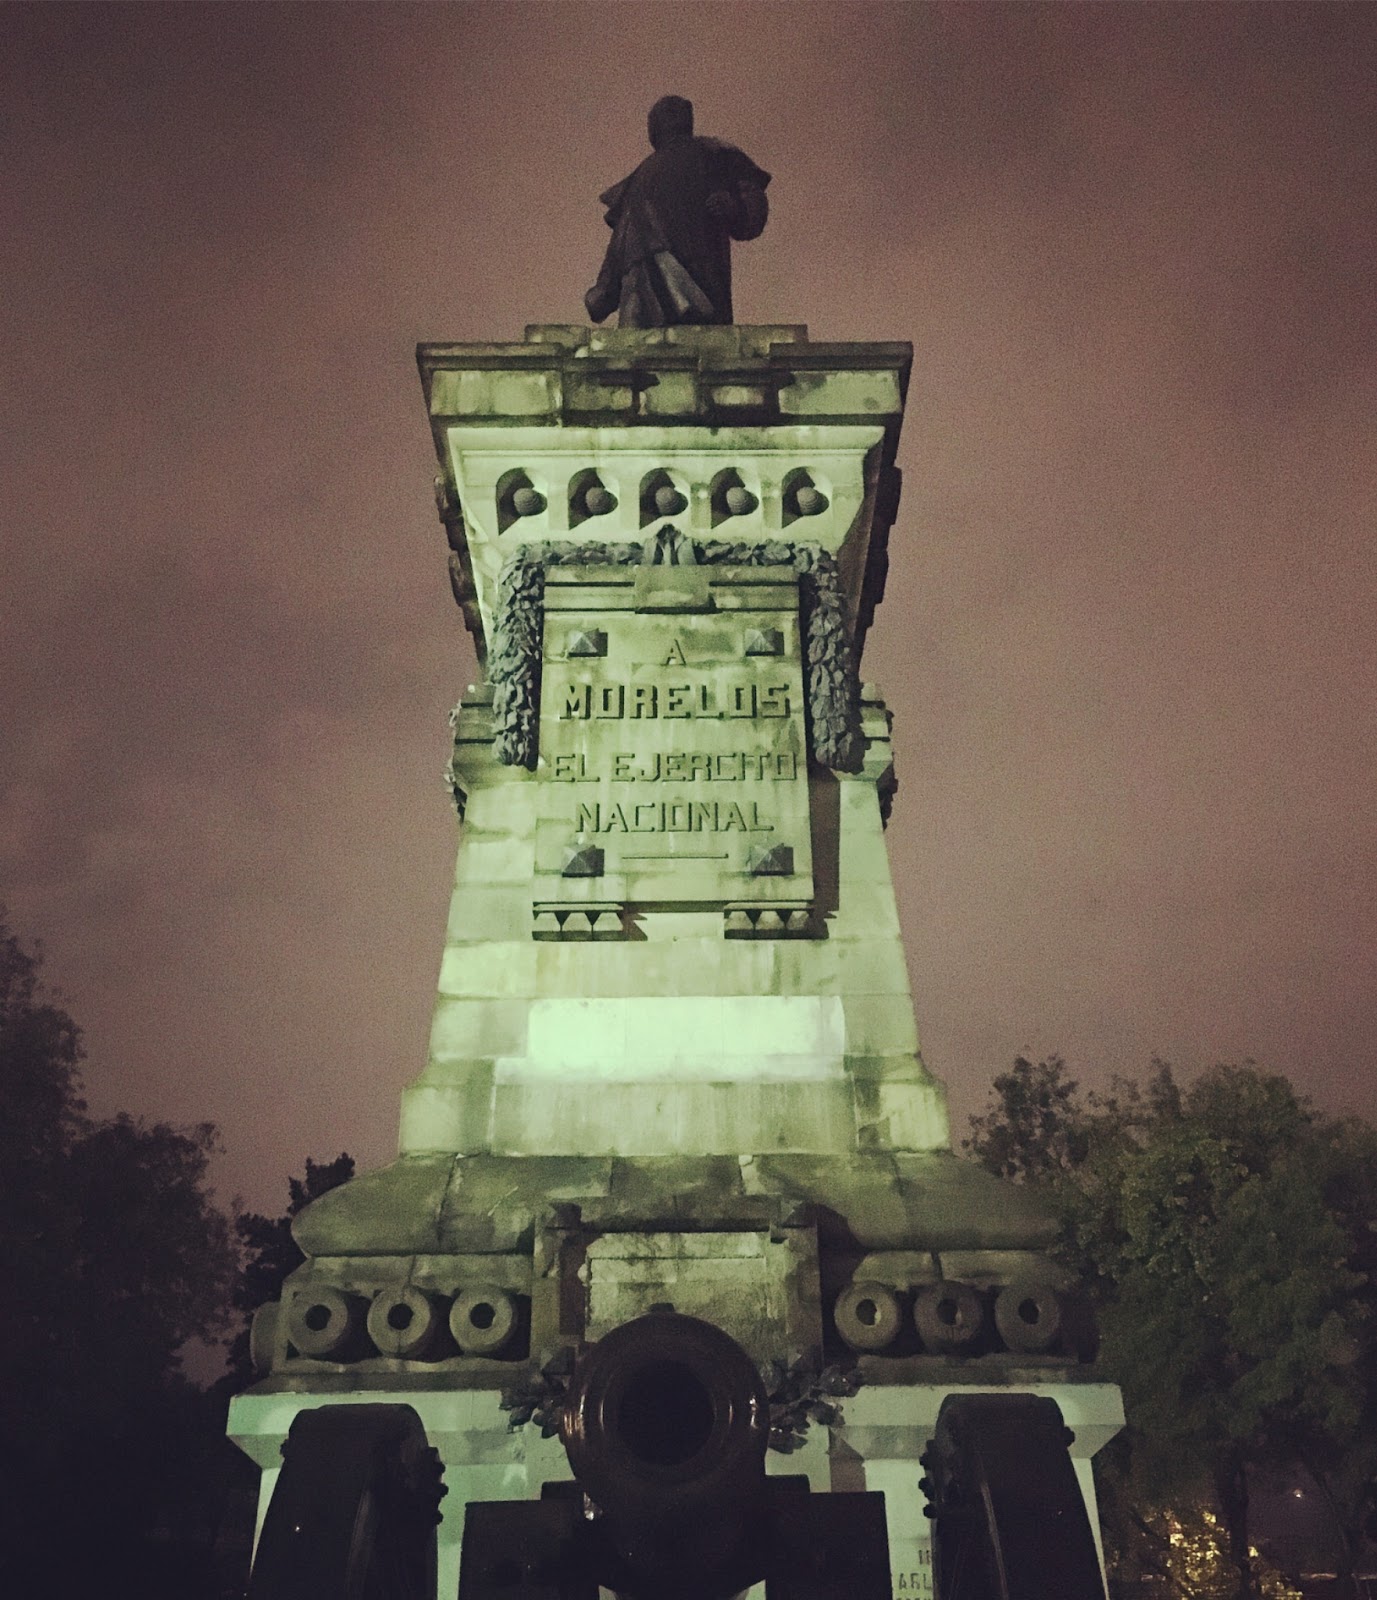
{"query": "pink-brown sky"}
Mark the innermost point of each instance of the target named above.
(1129, 635)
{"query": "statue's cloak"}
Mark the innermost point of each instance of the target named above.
(669, 258)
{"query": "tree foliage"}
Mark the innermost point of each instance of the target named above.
(113, 1255)
(271, 1254)
(1225, 1230)
(1038, 1128)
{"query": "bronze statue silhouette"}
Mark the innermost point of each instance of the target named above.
(673, 220)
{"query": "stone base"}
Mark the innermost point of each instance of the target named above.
(674, 1062)
(490, 1205)
(885, 1429)
(686, 1034)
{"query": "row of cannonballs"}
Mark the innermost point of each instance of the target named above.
(954, 1319)
(402, 1321)
(406, 1322)
(589, 497)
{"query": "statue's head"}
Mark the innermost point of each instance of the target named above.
(671, 117)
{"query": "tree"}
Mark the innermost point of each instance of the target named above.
(1225, 1232)
(1037, 1129)
(271, 1254)
(1041, 1129)
(113, 1254)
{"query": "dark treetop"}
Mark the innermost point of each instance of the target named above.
(672, 221)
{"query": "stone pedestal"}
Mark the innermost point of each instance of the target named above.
(669, 545)
(673, 1058)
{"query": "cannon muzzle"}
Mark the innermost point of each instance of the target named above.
(666, 1424)
(666, 1429)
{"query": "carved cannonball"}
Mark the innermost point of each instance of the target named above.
(482, 1319)
(1028, 1315)
(739, 500)
(263, 1337)
(668, 501)
(527, 502)
(867, 1316)
(323, 1322)
(810, 501)
(950, 1318)
(403, 1321)
(599, 501)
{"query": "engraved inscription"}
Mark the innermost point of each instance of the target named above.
(680, 766)
(644, 701)
(677, 754)
(916, 1579)
(672, 816)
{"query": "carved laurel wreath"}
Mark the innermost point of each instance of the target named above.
(832, 691)
(799, 1395)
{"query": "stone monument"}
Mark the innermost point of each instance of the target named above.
(673, 1061)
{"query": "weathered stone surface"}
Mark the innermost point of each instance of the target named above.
(762, 400)
(724, 1034)
(673, 754)
(880, 1202)
(691, 1084)
(546, 585)
(884, 1201)
(395, 1209)
(746, 1282)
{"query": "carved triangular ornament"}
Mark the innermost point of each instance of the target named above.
(587, 642)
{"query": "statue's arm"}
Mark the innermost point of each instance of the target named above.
(738, 202)
(605, 295)
(751, 211)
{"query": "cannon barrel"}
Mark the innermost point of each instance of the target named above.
(666, 1428)
(666, 1423)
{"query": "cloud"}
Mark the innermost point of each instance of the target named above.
(1128, 633)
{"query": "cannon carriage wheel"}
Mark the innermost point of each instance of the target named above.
(1009, 1520)
(354, 1512)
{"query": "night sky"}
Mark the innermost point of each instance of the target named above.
(1128, 638)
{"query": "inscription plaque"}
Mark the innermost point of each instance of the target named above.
(679, 751)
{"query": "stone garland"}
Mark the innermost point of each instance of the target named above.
(540, 1395)
(514, 660)
(799, 1395)
(805, 1393)
(831, 686)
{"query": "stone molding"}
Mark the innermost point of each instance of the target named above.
(830, 679)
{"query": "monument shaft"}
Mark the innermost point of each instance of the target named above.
(673, 934)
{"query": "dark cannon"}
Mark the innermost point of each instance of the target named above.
(666, 1428)
(1008, 1518)
(354, 1513)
